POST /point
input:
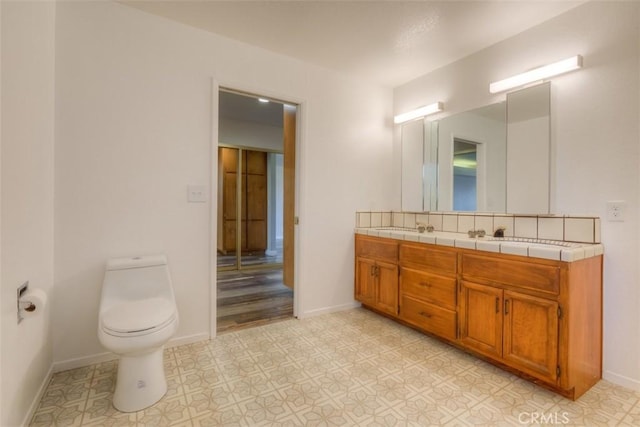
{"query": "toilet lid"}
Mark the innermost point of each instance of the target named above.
(140, 315)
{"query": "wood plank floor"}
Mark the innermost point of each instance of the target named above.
(252, 298)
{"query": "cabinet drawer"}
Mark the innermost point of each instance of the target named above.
(436, 260)
(377, 248)
(439, 321)
(434, 289)
(539, 277)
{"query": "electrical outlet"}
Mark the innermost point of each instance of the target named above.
(616, 210)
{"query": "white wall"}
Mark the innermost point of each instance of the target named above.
(133, 110)
(27, 198)
(595, 140)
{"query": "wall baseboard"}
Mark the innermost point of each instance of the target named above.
(36, 400)
(622, 380)
(327, 310)
(80, 362)
(189, 339)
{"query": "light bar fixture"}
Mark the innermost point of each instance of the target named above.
(537, 74)
(418, 112)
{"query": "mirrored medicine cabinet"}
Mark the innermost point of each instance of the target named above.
(494, 158)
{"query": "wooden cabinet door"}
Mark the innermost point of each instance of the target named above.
(387, 287)
(481, 318)
(254, 215)
(531, 334)
(365, 289)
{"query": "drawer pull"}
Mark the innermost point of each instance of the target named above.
(506, 306)
(425, 284)
(425, 314)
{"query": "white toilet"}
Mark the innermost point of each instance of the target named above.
(138, 315)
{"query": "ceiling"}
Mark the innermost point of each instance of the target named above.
(242, 107)
(388, 42)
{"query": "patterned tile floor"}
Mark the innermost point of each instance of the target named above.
(351, 368)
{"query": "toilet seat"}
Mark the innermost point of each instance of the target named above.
(138, 317)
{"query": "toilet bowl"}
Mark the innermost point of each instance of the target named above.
(138, 315)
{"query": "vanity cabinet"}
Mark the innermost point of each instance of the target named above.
(518, 329)
(538, 318)
(376, 281)
(428, 289)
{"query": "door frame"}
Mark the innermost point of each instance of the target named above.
(216, 85)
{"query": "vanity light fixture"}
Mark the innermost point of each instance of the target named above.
(263, 100)
(419, 112)
(541, 73)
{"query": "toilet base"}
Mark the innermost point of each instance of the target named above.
(141, 381)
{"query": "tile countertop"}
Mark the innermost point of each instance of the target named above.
(559, 251)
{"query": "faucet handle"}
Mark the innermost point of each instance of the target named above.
(421, 227)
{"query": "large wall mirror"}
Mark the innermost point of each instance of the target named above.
(490, 159)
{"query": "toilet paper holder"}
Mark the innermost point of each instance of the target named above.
(23, 304)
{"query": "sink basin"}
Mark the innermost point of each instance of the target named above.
(533, 243)
(402, 229)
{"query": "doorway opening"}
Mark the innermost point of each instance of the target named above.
(256, 170)
(465, 175)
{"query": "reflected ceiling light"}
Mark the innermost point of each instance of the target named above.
(541, 73)
(465, 163)
(419, 112)
(263, 100)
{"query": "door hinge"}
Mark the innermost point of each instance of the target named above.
(558, 371)
(296, 220)
(559, 312)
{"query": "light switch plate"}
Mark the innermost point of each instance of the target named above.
(616, 210)
(196, 193)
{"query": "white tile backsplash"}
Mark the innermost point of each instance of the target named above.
(466, 223)
(409, 220)
(376, 219)
(579, 229)
(582, 229)
(422, 219)
(397, 219)
(364, 219)
(526, 227)
(506, 222)
(550, 228)
(484, 223)
(450, 223)
(386, 219)
(435, 220)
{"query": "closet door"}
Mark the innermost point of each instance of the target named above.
(254, 215)
(228, 176)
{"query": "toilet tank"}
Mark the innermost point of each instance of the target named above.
(137, 278)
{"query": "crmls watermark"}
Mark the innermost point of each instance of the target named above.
(546, 418)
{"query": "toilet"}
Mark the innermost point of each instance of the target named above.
(138, 315)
